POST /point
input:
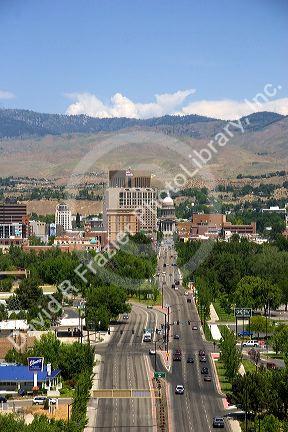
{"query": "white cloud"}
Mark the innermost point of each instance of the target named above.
(121, 106)
(227, 109)
(169, 103)
(6, 95)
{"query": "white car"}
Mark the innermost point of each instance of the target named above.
(251, 343)
(186, 293)
(52, 401)
(152, 352)
(179, 389)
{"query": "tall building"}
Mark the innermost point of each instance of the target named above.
(127, 207)
(12, 213)
(14, 222)
(129, 179)
(63, 216)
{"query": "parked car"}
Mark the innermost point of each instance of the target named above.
(251, 343)
(218, 422)
(39, 400)
(125, 316)
(152, 352)
(186, 293)
(190, 359)
(3, 399)
(149, 307)
(179, 389)
(52, 401)
(245, 333)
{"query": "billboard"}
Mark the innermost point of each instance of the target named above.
(243, 312)
(35, 364)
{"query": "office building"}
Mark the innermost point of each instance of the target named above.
(63, 216)
(129, 179)
(130, 209)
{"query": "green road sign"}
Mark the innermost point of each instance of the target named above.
(243, 312)
(159, 374)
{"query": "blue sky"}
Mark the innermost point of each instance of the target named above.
(72, 55)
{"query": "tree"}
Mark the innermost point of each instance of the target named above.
(279, 339)
(29, 294)
(48, 347)
(258, 324)
(229, 353)
(271, 424)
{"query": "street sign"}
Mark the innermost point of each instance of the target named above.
(243, 312)
(35, 364)
(159, 374)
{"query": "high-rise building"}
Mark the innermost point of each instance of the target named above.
(129, 179)
(63, 216)
(129, 208)
(12, 213)
(14, 222)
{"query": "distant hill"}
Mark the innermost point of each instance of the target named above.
(16, 123)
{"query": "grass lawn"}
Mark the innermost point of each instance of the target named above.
(248, 365)
(226, 386)
(151, 302)
(222, 314)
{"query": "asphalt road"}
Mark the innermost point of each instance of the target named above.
(193, 411)
(126, 364)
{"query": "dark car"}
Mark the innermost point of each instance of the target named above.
(207, 378)
(201, 353)
(218, 422)
(245, 333)
(3, 399)
(202, 359)
(204, 371)
(190, 359)
(176, 336)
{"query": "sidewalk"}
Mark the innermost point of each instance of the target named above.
(93, 403)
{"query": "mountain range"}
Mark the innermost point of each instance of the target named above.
(51, 145)
(23, 123)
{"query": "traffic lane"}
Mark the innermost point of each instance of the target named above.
(198, 391)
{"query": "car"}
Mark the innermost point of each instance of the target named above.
(201, 353)
(173, 286)
(152, 352)
(177, 355)
(52, 401)
(207, 378)
(179, 389)
(202, 359)
(194, 328)
(218, 422)
(149, 307)
(176, 336)
(190, 360)
(186, 293)
(245, 333)
(125, 316)
(164, 265)
(39, 400)
(204, 371)
(158, 331)
(251, 343)
(3, 399)
(177, 282)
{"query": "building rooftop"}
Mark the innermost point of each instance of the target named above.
(20, 373)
